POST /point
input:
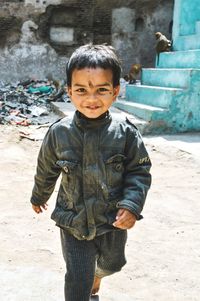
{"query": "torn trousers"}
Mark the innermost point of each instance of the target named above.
(84, 259)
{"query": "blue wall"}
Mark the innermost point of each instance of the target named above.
(186, 27)
(190, 14)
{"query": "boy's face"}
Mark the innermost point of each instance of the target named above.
(92, 91)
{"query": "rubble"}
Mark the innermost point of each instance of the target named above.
(29, 102)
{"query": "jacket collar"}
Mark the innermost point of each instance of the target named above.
(81, 121)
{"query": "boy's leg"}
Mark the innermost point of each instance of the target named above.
(112, 253)
(80, 257)
(111, 259)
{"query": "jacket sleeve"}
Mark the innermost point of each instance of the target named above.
(47, 171)
(137, 177)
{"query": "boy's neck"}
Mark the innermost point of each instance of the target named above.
(92, 119)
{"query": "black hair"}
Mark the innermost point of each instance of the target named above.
(94, 56)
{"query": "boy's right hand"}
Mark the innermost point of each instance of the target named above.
(39, 209)
(124, 219)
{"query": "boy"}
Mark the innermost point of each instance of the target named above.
(105, 173)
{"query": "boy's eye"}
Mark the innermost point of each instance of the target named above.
(103, 89)
(81, 90)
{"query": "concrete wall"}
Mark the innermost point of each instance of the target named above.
(37, 36)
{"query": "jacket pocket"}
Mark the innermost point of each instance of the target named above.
(62, 218)
(63, 202)
(114, 170)
(69, 172)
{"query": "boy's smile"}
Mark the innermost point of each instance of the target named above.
(92, 91)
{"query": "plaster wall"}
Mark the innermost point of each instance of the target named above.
(123, 35)
(62, 34)
(133, 29)
(41, 5)
(37, 37)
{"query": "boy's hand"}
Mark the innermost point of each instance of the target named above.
(124, 219)
(39, 209)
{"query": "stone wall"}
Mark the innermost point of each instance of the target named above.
(37, 36)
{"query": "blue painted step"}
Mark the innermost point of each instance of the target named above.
(146, 112)
(198, 27)
(151, 95)
(180, 59)
(188, 42)
(174, 78)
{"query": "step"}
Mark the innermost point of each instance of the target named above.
(172, 78)
(151, 95)
(62, 108)
(142, 111)
(140, 123)
(187, 42)
(180, 59)
(198, 27)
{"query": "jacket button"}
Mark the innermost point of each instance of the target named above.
(83, 236)
(118, 167)
(66, 169)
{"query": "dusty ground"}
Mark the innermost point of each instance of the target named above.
(163, 249)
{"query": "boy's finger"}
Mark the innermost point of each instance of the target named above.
(37, 209)
(119, 213)
(120, 221)
(124, 223)
(45, 206)
(121, 226)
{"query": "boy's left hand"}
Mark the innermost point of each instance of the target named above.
(39, 209)
(124, 219)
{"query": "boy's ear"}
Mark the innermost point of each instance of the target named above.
(116, 92)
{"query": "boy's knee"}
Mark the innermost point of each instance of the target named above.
(109, 269)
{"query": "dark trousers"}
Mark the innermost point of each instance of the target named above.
(101, 256)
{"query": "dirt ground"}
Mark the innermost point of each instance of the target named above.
(163, 250)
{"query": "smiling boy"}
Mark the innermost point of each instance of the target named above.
(92, 91)
(105, 173)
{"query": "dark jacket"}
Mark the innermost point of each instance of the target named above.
(104, 166)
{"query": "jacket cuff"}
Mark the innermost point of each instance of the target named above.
(36, 202)
(126, 204)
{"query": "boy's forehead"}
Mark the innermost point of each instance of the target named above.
(92, 76)
(90, 84)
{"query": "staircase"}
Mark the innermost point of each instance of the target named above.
(168, 98)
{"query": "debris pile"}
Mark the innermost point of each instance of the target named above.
(28, 102)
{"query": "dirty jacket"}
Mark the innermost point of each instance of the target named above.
(104, 167)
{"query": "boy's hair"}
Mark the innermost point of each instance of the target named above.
(94, 56)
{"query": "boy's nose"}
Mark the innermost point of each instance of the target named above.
(92, 97)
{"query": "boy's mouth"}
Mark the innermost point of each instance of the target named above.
(93, 107)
